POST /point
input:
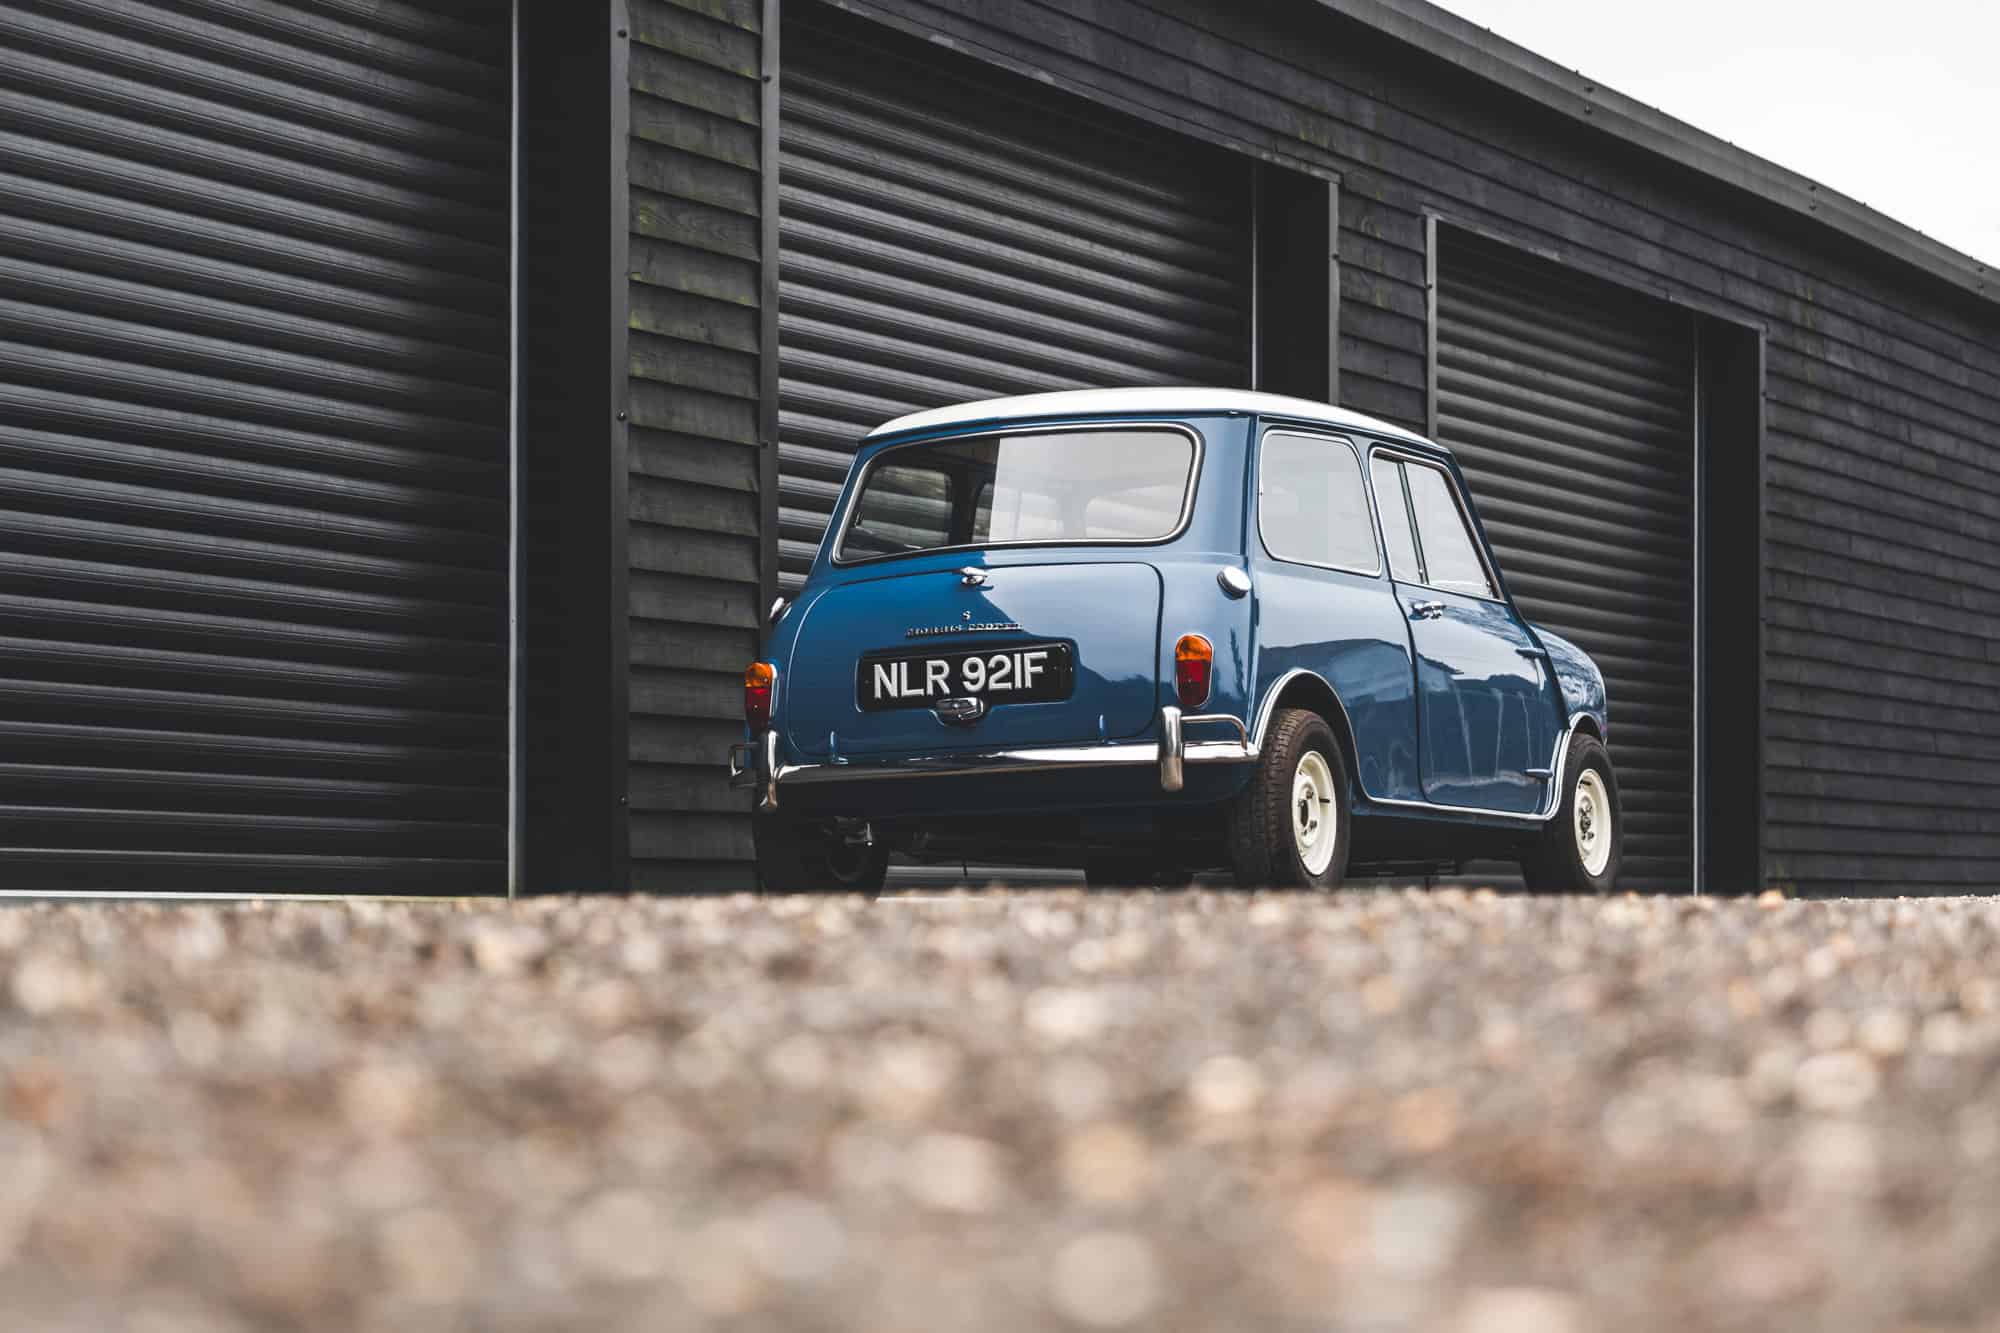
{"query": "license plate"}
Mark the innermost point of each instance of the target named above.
(1019, 673)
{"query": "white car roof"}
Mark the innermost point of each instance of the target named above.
(1164, 401)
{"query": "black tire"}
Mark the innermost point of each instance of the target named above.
(1556, 862)
(801, 856)
(1263, 850)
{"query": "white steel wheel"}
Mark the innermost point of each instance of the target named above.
(1577, 851)
(1315, 829)
(1590, 821)
(1288, 827)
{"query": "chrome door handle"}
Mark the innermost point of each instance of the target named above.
(1426, 610)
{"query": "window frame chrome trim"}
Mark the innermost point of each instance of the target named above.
(1188, 495)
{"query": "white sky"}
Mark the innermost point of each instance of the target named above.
(1895, 105)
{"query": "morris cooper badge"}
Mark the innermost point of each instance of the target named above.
(966, 626)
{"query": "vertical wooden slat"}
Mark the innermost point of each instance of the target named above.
(701, 324)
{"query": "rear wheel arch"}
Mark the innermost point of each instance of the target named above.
(1304, 689)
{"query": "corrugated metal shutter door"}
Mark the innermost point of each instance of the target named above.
(253, 316)
(1570, 403)
(950, 233)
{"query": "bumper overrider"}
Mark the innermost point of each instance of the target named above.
(756, 765)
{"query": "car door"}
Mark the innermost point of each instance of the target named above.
(1487, 710)
(1325, 604)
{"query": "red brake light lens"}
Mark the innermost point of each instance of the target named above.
(760, 682)
(1194, 669)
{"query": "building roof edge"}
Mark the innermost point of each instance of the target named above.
(1492, 57)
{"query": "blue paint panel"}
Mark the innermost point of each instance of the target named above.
(1487, 703)
(1108, 611)
(1347, 630)
(1581, 682)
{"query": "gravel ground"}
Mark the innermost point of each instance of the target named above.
(1014, 1110)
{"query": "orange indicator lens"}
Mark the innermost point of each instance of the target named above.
(1194, 669)
(760, 681)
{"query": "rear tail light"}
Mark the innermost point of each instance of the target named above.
(760, 682)
(1194, 669)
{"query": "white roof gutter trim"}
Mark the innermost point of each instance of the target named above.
(1166, 402)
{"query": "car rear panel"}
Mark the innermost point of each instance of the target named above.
(1102, 617)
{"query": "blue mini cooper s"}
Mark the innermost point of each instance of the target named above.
(1151, 632)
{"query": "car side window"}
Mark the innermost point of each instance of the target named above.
(1450, 556)
(1395, 511)
(1312, 507)
(903, 509)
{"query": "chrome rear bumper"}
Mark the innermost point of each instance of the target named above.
(754, 765)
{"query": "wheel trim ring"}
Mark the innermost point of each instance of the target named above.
(1314, 817)
(1591, 822)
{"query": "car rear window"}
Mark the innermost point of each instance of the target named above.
(1112, 485)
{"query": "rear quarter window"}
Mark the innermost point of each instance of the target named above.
(1312, 506)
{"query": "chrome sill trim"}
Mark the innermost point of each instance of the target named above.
(1435, 807)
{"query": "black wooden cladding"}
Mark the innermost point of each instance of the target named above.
(1570, 405)
(253, 447)
(695, 159)
(951, 233)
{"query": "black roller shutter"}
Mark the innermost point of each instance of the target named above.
(253, 487)
(951, 232)
(1570, 404)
